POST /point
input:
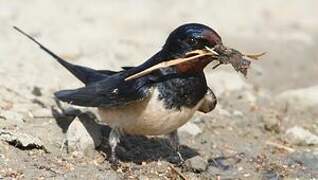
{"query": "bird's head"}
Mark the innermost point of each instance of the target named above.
(189, 37)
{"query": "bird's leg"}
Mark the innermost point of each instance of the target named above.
(65, 115)
(113, 140)
(173, 139)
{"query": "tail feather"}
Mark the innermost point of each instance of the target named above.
(84, 74)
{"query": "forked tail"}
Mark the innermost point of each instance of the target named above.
(84, 74)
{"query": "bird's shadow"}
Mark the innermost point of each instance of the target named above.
(140, 149)
(135, 149)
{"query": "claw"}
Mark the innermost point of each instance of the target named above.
(113, 140)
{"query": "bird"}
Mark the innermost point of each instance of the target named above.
(157, 103)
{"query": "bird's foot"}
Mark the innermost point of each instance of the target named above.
(113, 140)
(175, 145)
(181, 160)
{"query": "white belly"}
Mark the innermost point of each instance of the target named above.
(148, 117)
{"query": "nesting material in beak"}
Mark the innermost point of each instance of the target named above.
(240, 62)
(189, 56)
(220, 53)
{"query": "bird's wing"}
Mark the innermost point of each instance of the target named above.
(110, 92)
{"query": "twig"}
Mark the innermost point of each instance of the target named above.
(255, 56)
(178, 172)
(280, 146)
(168, 63)
(189, 56)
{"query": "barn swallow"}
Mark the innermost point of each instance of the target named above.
(155, 104)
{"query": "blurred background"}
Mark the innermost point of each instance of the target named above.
(280, 92)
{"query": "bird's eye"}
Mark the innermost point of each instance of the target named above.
(192, 41)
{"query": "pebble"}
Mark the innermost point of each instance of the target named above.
(300, 136)
(190, 128)
(197, 164)
(299, 98)
(238, 113)
(21, 140)
(271, 121)
(84, 135)
(36, 91)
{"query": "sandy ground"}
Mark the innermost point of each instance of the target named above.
(246, 137)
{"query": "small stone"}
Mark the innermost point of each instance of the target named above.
(36, 91)
(21, 140)
(272, 122)
(84, 135)
(272, 125)
(247, 175)
(197, 164)
(190, 128)
(300, 136)
(300, 98)
(238, 113)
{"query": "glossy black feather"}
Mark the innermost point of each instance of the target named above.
(109, 92)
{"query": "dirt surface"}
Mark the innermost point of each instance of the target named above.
(250, 135)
